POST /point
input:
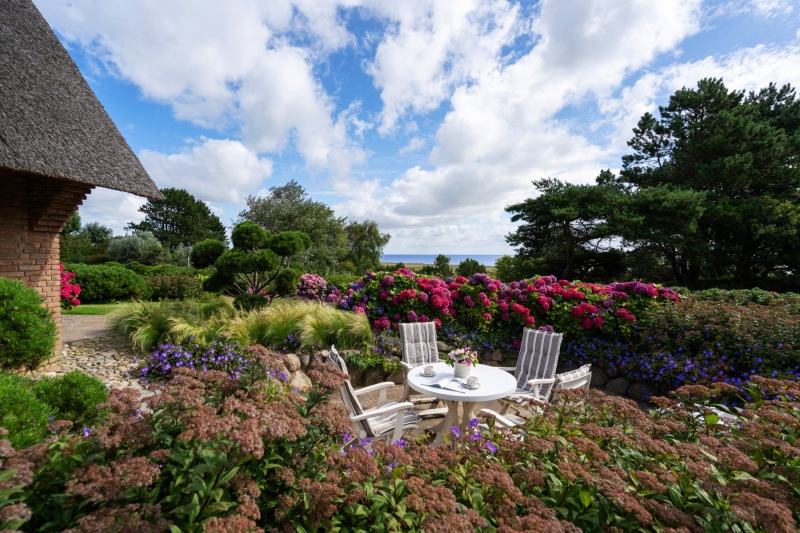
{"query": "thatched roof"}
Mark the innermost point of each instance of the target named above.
(51, 123)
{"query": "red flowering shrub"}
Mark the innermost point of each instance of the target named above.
(69, 290)
(498, 310)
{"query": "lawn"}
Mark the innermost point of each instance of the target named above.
(92, 309)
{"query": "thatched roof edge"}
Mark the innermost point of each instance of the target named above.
(51, 123)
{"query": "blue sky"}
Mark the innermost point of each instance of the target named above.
(428, 117)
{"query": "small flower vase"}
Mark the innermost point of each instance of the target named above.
(461, 370)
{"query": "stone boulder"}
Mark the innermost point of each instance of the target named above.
(300, 381)
(640, 391)
(618, 386)
(292, 362)
(599, 378)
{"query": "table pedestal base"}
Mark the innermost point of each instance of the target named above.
(452, 418)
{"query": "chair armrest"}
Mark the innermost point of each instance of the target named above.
(541, 381)
(382, 387)
(406, 366)
(503, 421)
(511, 369)
(386, 409)
(375, 387)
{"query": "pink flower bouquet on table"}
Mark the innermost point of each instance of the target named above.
(465, 356)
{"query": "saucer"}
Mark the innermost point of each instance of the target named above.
(429, 375)
(478, 386)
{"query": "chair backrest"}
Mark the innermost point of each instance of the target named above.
(349, 397)
(418, 343)
(538, 357)
(575, 379)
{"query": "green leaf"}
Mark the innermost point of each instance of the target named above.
(585, 497)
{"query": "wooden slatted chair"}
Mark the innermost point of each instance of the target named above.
(536, 368)
(580, 378)
(388, 420)
(418, 347)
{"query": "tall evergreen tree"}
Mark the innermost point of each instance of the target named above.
(716, 182)
(565, 221)
(179, 218)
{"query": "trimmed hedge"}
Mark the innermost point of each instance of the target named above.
(23, 414)
(174, 287)
(107, 284)
(27, 329)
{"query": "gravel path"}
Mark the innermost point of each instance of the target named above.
(89, 345)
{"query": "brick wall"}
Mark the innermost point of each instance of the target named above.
(33, 212)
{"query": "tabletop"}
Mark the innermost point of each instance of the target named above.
(494, 383)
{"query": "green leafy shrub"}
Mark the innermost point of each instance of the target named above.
(205, 253)
(73, 396)
(27, 329)
(720, 336)
(23, 414)
(248, 302)
(168, 270)
(107, 284)
(341, 281)
(136, 266)
(367, 358)
(174, 287)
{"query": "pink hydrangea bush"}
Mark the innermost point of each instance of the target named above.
(69, 290)
(482, 303)
(312, 287)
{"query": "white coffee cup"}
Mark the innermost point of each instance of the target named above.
(428, 370)
(473, 382)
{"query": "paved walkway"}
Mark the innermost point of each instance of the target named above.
(79, 327)
(89, 345)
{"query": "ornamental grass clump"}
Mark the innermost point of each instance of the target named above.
(146, 324)
(289, 322)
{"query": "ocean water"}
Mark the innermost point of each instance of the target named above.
(427, 259)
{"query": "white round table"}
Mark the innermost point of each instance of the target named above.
(494, 384)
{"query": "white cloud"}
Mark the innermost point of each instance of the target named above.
(176, 52)
(281, 101)
(222, 64)
(487, 95)
(414, 145)
(113, 209)
(215, 170)
(503, 131)
(433, 46)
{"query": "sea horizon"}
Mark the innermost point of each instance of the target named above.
(428, 259)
